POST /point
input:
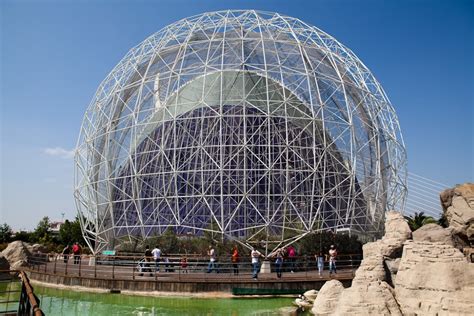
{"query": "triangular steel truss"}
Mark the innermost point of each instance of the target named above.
(243, 123)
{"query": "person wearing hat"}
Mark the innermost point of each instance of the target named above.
(332, 259)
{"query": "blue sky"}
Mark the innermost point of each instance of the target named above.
(54, 54)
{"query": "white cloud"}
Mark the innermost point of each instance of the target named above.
(59, 152)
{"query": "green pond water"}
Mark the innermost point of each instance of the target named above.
(64, 302)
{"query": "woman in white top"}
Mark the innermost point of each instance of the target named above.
(255, 254)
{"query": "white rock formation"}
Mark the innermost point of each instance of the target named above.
(434, 279)
(368, 298)
(328, 297)
(17, 254)
(458, 205)
(433, 233)
(400, 276)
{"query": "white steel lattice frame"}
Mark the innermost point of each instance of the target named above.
(244, 123)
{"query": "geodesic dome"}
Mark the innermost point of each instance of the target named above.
(244, 123)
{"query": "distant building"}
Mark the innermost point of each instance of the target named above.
(55, 227)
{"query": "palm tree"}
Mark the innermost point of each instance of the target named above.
(417, 220)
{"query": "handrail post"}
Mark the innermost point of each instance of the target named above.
(65, 269)
(156, 274)
(54, 268)
(80, 261)
(306, 265)
(113, 268)
(133, 268)
(95, 266)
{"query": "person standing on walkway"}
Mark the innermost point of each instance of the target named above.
(76, 250)
(320, 262)
(212, 260)
(255, 254)
(332, 259)
(66, 252)
(235, 260)
(292, 258)
(156, 252)
(148, 256)
(279, 263)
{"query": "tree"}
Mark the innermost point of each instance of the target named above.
(5, 233)
(42, 231)
(417, 220)
(24, 236)
(168, 241)
(443, 221)
(70, 232)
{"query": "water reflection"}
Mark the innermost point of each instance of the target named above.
(62, 302)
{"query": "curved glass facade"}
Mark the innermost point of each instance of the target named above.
(245, 123)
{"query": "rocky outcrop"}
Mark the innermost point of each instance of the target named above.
(434, 278)
(400, 276)
(397, 232)
(328, 297)
(372, 267)
(433, 233)
(380, 257)
(370, 294)
(17, 254)
(368, 298)
(458, 207)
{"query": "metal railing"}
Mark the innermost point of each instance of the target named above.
(16, 294)
(136, 267)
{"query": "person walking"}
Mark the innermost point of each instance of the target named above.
(255, 255)
(332, 259)
(279, 263)
(292, 258)
(320, 262)
(66, 252)
(235, 260)
(76, 250)
(212, 260)
(156, 252)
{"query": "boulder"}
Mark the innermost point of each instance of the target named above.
(17, 254)
(374, 267)
(458, 206)
(36, 248)
(397, 232)
(434, 279)
(328, 297)
(368, 298)
(433, 233)
(371, 268)
(4, 265)
(311, 295)
(396, 226)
